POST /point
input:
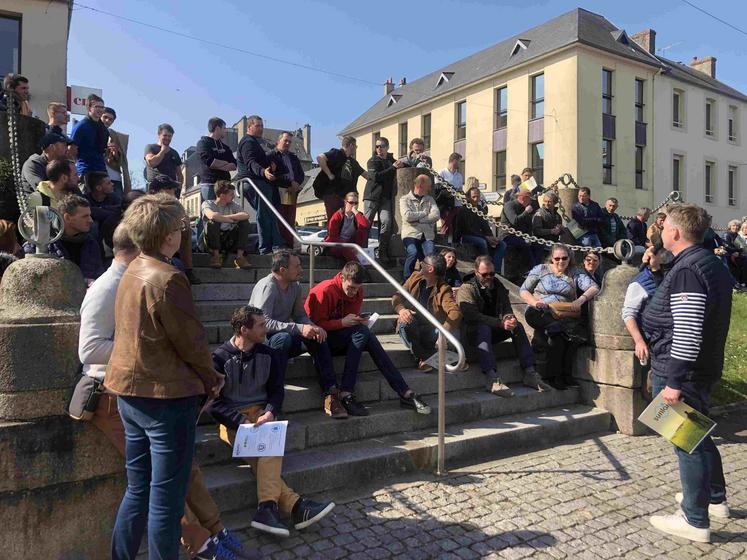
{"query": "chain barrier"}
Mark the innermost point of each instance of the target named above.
(15, 160)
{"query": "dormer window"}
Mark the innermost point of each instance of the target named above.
(621, 37)
(521, 44)
(443, 78)
(393, 99)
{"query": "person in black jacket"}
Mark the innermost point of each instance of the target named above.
(253, 394)
(637, 227)
(339, 176)
(289, 175)
(472, 229)
(520, 256)
(378, 196)
(612, 228)
(255, 164)
(588, 215)
(216, 159)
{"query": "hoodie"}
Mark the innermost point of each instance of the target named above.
(43, 196)
(327, 304)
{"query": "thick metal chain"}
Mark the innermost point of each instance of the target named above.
(15, 159)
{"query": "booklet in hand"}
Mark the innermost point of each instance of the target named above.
(681, 424)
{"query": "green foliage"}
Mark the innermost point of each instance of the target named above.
(733, 385)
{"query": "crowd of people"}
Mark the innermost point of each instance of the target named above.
(153, 367)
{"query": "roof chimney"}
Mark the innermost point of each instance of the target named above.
(706, 65)
(403, 82)
(646, 39)
(307, 138)
(388, 86)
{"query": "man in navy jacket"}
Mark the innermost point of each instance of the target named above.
(588, 215)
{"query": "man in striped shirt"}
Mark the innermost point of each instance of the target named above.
(686, 323)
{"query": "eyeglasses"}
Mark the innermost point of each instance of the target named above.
(380, 146)
(352, 201)
(487, 274)
(560, 259)
(590, 259)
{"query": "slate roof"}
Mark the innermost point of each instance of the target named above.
(577, 26)
(696, 77)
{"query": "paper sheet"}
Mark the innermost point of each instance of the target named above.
(267, 440)
(372, 319)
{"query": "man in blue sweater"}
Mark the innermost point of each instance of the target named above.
(686, 323)
(91, 136)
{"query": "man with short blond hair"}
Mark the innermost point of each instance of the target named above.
(57, 118)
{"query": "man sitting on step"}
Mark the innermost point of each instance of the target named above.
(226, 226)
(289, 329)
(488, 318)
(428, 286)
(253, 394)
(335, 305)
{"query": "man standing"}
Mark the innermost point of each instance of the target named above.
(19, 90)
(226, 226)
(473, 229)
(378, 196)
(53, 147)
(417, 156)
(419, 213)
(513, 189)
(612, 228)
(517, 213)
(653, 234)
(636, 228)
(161, 158)
(588, 216)
(289, 178)
(57, 118)
(290, 331)
(453, 176)
(546, 222)
(488, 319)
(340, 172)
(686, 323)
(216, 159)
(91, 136)
(255, 164)
(116, 156)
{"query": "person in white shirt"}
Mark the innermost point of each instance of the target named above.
(453, 176)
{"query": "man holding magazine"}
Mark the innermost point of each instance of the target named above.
(685, 324)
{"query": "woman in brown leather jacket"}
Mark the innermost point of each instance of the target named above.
(160, 369)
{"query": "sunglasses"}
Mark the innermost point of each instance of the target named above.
(560, 259)
(590, 259)
(487, 274)
(352, 201)
(380, 146)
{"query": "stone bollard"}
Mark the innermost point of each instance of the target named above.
(609, 372)
(60, 480)
(405, 179)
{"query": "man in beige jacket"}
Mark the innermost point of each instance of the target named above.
(419, 213)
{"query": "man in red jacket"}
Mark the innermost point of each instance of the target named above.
(348, 225)
(335, 305)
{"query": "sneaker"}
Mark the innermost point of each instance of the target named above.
(498, 388)
(242, 262)
(307, 512)
(678, 526)
(533, 380)
(714, 510)
(191, 277)
(267, 519)
(423, 366)
(333, 407)
(416, 403)
(232, 543)
(215, 550)
(216, 261)
(353, 407)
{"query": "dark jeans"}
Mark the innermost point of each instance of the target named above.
(267, 224)
(515, 241)
(332, 203)
(420, 338)
(481, 244)
(351, 342)
(159, 445)
(385, 209)
(560, 351)
(227, 241)
(415, 249)
(484, 336)
(701, 472)
(292, 345)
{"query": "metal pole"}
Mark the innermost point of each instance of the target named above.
(441, 470)
(312, 249)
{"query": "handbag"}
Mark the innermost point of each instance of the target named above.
(564, 310)
(85, 398)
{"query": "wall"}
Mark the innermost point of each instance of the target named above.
(44, 29)
(692, 142)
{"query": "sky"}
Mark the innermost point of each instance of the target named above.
(151, 76)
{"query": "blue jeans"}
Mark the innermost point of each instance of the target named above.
(159, 445)
(206, 192)
(481, 244)
(419, 338)
(590, 239)
(415, 249)
(701, 472)
(292, 345)
(267, 224)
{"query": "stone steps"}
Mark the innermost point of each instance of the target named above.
(243, 291)
(343, 465)
(235, 275)
(265, 261)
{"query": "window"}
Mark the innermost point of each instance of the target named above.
(538, 96)
(639, 100)
(732, 186)
(403, 139)
(606, 91)
(678, 113)
(710, 121)
(501, 108)
(709, 181)
(607, 162)
(732, 123)
(425, 129)
(463, 167)
(500, 170)
(538, 161)
(639, 167)
(461, 121)
(677, 173)
(10, 45)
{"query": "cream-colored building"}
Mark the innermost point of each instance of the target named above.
(34, 44)
(573, 95)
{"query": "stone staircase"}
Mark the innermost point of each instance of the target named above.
(323, 454)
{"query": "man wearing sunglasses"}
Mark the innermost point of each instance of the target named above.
(378, 196)
(487, 319)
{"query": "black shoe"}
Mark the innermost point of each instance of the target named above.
(570, 383)
(353, 407)
(191, 277)
(267, 519)
(416, 403)
(307, 512)
(559, 384)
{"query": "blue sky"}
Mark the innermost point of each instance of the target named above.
(150, 76)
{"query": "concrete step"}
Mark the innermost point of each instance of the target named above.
(234, 275)
(265, 261)
(320, 469)
(243, 291)
(313, 429)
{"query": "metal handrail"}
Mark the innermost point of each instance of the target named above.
(444, 333)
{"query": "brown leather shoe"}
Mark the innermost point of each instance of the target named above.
(333, 407)
(241, 262)
(216, 261)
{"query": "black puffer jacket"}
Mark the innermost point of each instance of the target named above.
(381, 178)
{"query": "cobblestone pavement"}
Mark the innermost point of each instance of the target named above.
(589, 499)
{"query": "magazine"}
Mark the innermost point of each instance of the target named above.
(681, 424)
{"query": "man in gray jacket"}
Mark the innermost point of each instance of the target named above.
(419, 213)
(34, 169)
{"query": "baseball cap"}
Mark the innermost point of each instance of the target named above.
(51, 138)
(161, 182)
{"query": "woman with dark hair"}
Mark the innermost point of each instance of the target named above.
(554, 311)
(452, 276)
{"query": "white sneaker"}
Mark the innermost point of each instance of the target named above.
(714, 510)
(678, 526)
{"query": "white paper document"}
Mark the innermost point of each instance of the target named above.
(372, 319)
(267, 440)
